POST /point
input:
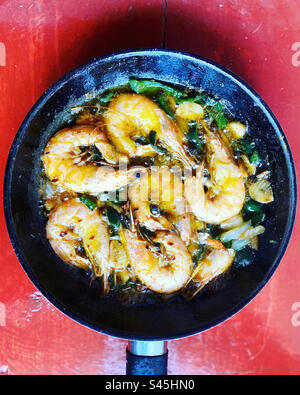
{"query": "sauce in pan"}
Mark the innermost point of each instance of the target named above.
(154, 189)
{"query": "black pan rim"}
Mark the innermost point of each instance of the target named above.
(49, 92)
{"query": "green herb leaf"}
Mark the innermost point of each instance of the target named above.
(153, 87)
(89, 201)
(114, 219)
(217, 112)
(193, 138)
(106, 98)
(255, 158)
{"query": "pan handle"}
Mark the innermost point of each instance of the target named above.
(146, 358)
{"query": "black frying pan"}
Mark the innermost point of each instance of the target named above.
(69, 288)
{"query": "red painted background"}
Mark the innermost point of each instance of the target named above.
(41, 40)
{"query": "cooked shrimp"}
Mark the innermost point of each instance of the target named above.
(226, 193)
(72, 224)
(161, 272)
(62, 162)
(217, 262)
(132, 115)
(159, 186)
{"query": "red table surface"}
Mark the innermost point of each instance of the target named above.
(41, 40)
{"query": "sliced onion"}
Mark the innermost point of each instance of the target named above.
(261, 191)
(235, 233)
(248, 237)
(240, 244)
(232, 222)
(252, 232)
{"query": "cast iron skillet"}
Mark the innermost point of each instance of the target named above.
(69, 288)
